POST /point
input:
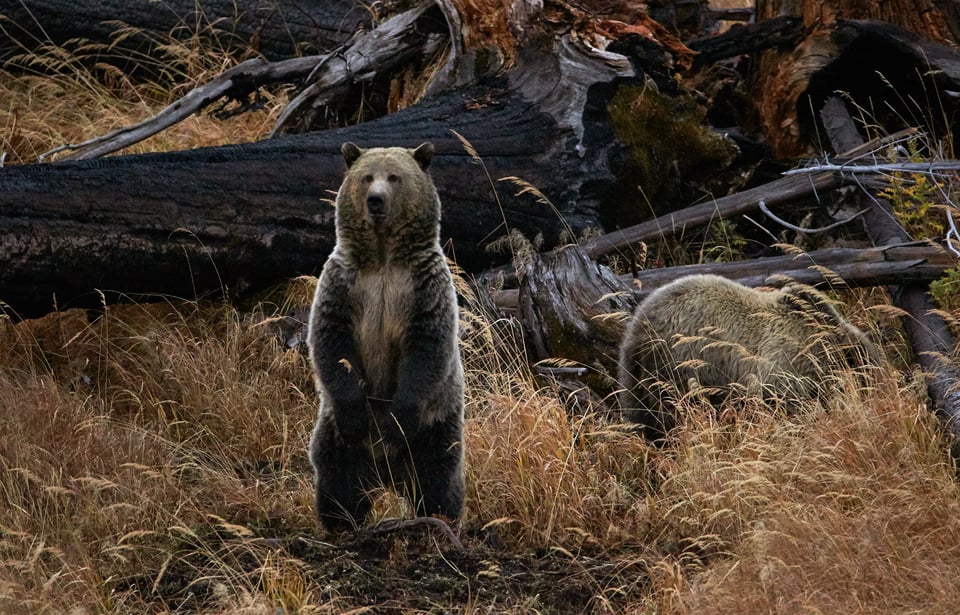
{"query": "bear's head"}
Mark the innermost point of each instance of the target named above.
(388, 190)
(845, 344)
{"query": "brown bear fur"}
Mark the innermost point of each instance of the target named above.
(707, 331)
(383, 341)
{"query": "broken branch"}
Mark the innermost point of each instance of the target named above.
(380, 49)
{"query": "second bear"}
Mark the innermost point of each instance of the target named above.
(383, 341)
(708, 331)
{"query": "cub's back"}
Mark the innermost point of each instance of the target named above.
(692, 303)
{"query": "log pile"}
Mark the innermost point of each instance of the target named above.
(567, 123)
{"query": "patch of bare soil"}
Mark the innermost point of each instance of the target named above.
(418, 568)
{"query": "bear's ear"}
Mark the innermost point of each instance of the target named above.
(350, 153)
(424, 154)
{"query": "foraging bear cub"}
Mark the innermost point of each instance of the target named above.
(708, 331)
(383, 342)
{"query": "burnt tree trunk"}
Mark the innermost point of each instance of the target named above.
(887, 56)
(246, 216)
(574, 309)
(276, 28)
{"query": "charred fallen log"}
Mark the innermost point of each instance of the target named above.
(277, 28)
(242, 217)
(933, 345)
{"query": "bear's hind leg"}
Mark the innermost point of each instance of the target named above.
(342, 502)
(434, 483)
(342, 472)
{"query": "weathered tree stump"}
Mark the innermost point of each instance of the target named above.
(574, 310)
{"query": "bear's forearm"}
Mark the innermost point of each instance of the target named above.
(420, 378)
(335, 356)
(350, 405)
(427, 351)
(338, 372)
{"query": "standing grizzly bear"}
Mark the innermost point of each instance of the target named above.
(383, 344)
(707, 331)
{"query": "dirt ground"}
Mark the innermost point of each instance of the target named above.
(384, 569)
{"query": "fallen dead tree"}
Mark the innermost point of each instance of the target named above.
(243, 218)
(934, 347)
(248, 216)
(126, 30)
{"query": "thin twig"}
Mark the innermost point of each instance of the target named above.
(559, 371)
(880, 143)
(389, 526)
(953, 235)
(808, 231)
(893, 167)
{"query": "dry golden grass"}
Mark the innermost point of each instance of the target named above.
(125, 441)
(154, 460)
(848, 510)
(152, 455)
(61, 95)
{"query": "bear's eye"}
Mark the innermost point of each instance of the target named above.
(393, 179)
(368, 179)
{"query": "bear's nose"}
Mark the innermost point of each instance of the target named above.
(376, 204)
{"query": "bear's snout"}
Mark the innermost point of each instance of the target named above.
(377, 206)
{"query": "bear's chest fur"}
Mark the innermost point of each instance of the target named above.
(383, 302)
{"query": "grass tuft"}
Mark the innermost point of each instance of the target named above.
(54, 95)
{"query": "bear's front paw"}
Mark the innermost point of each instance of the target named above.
(352, 421)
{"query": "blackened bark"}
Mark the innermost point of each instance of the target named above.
(246, 216)
(744, 39)
(277, 28)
